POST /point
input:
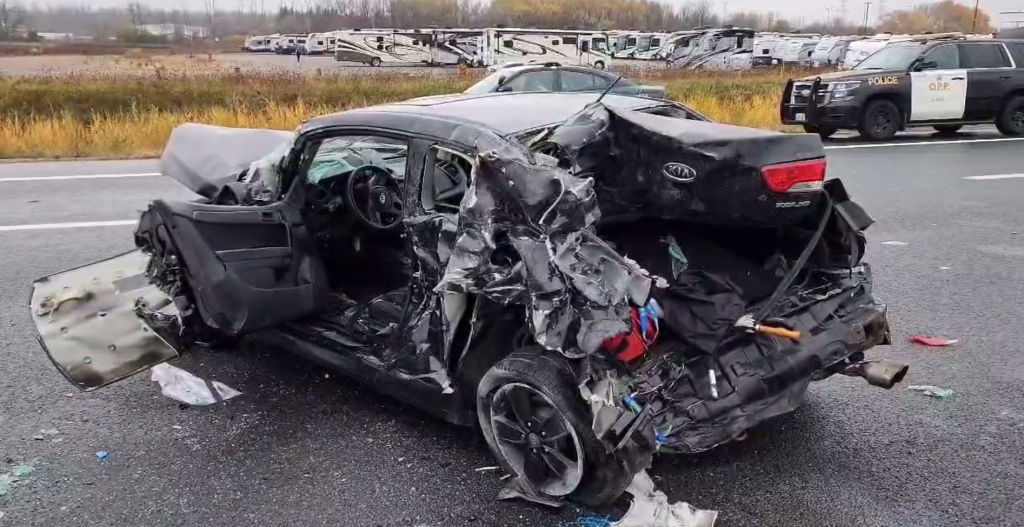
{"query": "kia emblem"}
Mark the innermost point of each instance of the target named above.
(679, 172)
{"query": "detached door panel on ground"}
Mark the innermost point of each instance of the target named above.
(248, 267)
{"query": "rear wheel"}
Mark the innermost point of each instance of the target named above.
(880, 120)
(948, 129)
(375, 61)
(1011, 121)
(599, 64)
(538, 428)
(824, 131)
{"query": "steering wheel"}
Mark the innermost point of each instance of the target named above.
(376, 197)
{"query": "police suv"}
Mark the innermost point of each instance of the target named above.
(944, 83)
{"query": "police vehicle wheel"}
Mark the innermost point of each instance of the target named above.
(1011, 121)
(880, 120)
(823, 131)
(948, 129)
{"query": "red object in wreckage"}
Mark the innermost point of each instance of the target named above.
(631, 346)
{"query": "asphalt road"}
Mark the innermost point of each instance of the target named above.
(305, 447)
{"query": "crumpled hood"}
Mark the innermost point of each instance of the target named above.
(204, 157)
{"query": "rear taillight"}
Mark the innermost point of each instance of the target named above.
(798, 176)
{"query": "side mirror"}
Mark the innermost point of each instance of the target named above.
(927, 65)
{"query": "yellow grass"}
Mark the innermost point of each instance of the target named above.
(60, 129)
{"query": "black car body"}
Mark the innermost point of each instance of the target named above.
(433, 256)
(944, 83)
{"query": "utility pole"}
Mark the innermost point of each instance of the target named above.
(844, 11)
(867, 9)
(974, 23)
(828, 17)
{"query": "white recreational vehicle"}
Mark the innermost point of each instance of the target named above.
(436, 47)
(720, 49)
(831, 51)
(587, 48)
(764, 48)
(320, 43)
(796, 49)
(259, 43)
(862, 49)
(287, 44)
(641, 46)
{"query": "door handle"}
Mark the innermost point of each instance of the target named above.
(1004, 77)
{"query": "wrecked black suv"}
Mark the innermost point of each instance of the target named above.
(590, 280)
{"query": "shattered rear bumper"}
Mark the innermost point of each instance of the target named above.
(759, 378)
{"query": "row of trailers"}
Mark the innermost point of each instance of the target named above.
(824, 51)
(717, 48)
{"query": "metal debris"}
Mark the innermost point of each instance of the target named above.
(933, 391)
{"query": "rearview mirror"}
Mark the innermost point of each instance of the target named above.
(927, 65)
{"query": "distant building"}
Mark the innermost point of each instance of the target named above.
(170, 30)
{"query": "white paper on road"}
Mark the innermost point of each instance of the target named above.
(651, 508)
(181, 385)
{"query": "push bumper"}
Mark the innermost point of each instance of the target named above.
(811, 107)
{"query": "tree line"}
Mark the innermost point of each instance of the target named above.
(239, 17)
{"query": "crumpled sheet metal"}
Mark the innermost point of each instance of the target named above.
(526, 236)
(651, 508)
(204, 157)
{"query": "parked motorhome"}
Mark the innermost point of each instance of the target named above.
(439, 47)
(764, 48)
(722, 48)
(831, 51)
(588, 48)
(321, 43)
(259, 43)
(641, 46)
(796, 49)
(287, 44)
(681, 44)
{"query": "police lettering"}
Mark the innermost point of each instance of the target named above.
(883, 81)
(938, 86)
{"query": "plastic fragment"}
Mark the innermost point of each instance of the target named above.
(589, 520)
(182, 386)
(50, 432)
(932, 391)
(487, 469)
(937, 342)
(102, 455)
(651, 508)
(9, 479)
(896, 243)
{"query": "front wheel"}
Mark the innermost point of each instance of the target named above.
(880, 120)
(1011, 120)
(599, 65)
(823, 131)
(538, 428)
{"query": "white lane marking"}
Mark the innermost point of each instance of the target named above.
(994, 176)
(90, 176)
(72, 225)
(924, 143)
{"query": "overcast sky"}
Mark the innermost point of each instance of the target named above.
(809, 10)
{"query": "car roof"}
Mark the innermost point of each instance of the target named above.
(505, 113)
(553, 66)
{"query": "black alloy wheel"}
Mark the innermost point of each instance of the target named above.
(880, 120)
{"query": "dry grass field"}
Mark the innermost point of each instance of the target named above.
(126, 106)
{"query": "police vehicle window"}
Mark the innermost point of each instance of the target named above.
(945, 57)
(983, 56)
(532, 81)
(897, 56)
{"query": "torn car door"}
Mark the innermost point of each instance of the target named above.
(88, 321)
(245, 268)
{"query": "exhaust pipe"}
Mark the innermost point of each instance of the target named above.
(883, 373)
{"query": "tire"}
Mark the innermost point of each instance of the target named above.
(375, 62)
(948, 129)
(1011, 120)
(545, 380)
(880, 120)
(599, 65)
(823, 131)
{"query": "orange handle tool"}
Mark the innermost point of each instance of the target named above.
(779, 332)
